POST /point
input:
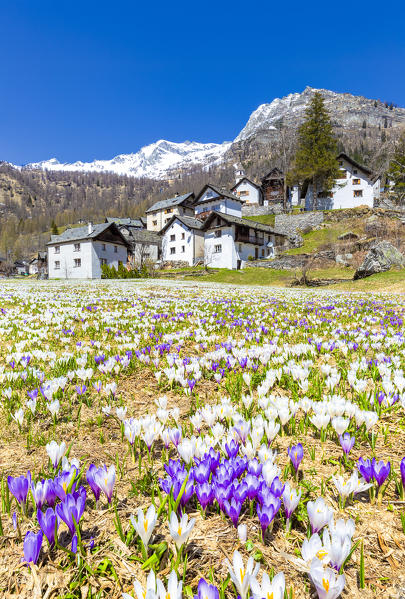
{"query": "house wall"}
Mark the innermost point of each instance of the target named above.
(162, 217)
(343, 191)
(145, 253)
(233, 254)
(89, 254)
(193, 244)
(248, 193)
(218, 204)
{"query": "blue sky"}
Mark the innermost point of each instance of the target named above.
(85, 80)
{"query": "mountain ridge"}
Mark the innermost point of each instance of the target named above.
(164, 159)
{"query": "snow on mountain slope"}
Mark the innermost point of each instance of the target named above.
(153, 161)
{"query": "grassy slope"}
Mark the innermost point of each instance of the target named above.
(393, 281)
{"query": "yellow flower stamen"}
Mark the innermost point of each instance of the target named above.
(145, 525)
(242, 574)
(325, 584)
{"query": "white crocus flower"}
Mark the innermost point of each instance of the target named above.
(328, 584)
(180, 530)
(145, 525)
(18, 416)
(241, 576)
(141, 593)
(270, 590)
(174, 588)
(53, 407)
(55, 452)
(319, 514)
(340, 424)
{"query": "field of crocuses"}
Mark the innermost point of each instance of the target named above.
(165, 440)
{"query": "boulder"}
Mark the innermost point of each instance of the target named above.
(381, 257)
(344, 259)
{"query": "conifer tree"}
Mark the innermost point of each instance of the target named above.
(315, 160)
(54, 228)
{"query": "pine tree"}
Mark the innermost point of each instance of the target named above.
(396, 171)
(54, 228)
(315, 160)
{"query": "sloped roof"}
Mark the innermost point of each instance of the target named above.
(275, 173)
(248, 180)
(221, 192)
(82, 233)
(240, 221)
(131, 222)
(144, 236)
(176, 201)
(188, 221)
(354, 163)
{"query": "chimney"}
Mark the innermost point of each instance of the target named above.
(89, 228)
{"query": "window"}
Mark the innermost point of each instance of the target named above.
(358, 193)
(183, 249)
(218, 233)
(172, 250)
(262, 252)
(77, 247)
(218, 249)
(103, 261)
(77, 262)
(172, 237)
(243, 193)
(356, 181)
(57, 249)
(57, 265)
(103, 247)
(355, 171)
(167, 220)
(183, 235)
(116, 249)
(168, 210)
(154, 223)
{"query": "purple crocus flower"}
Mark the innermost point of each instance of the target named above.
(204, 494)
(232, 509)
(81, 390)
(74, 543)
(232, 449)
(72, 507)
(62, 482)
(92, 483)
(222, 493)
(254, 467)
(32, 546)
(347, 442)
(19, 487)
(402, 470)
(206, 591)
(240, 490)
(47, 523)
(253, 484)
(296, 453)
(380, 471)
(202, 471)
(266, 515)
(365, 468)
(277, 487)
(105, 479)
(40, 492)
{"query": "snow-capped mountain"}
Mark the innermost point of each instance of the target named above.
(155, 161)
(354, 118)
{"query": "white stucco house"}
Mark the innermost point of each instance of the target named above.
(248, 191)
(213, 199)
(158, 215)
(183, 240)
(230, 241)
(356, 186)
(79, 253)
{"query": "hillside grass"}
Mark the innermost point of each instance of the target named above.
(314, 240)
(392, 281)
(264, 219)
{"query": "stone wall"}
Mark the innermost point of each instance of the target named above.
(290, 224)
(256, 210)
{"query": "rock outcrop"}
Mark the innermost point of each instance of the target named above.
(381, 257)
